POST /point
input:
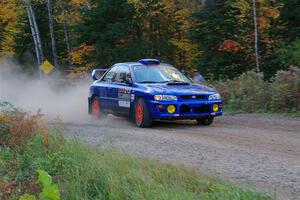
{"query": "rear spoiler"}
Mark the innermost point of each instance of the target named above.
(97, 73)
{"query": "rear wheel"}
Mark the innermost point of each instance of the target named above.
(206, 121)
(142, 117)
(95, 108)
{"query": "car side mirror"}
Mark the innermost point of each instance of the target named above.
(97, 73)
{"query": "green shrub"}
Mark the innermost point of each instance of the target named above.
(250, 92)
(285, 89)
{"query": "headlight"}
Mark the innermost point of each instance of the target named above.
(165, 98)
(216, 96)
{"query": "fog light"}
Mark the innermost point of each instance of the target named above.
(215, 107)
(171, 109)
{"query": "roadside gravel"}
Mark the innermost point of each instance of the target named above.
(258, 151)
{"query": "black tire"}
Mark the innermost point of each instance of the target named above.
(205, 121)
(145, 120)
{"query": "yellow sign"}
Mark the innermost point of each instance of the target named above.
(46, 67)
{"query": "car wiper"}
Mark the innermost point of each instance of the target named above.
(177, 82)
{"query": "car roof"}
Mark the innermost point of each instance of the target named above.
(131, 64)
(144, 62)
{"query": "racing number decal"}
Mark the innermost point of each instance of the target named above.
(124, 97)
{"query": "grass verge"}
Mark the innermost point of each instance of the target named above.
(83, 172)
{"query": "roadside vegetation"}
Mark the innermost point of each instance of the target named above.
(214, 36)
(250, 92)
(38, 162)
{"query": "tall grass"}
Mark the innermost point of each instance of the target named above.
(84, 172)
(87, 173)
(251, 93)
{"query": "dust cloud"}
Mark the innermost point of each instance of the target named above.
(55, 97)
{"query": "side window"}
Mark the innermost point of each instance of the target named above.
(111, 74)
(123, 74)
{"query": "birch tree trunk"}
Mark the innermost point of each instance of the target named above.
(255, 36)
(53, 43)
(36, 28)
(38, 56)
(34, 36)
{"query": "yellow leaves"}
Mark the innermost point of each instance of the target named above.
(263, 23)
(182, 18)
(272, 13)
(244, 8)
(80, 52)
(8, 24)
(79, 2)
(135, 2)
(78, 57)
(266, 15)
(185, 50)
(7, 13)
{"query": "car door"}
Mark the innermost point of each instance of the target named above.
(105, 88)
(120, 90)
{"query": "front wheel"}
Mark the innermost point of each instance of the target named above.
(206, 121)
(142, 117)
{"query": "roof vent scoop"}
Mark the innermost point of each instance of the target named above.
(149, 61)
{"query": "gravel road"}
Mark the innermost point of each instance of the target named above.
(257, 151)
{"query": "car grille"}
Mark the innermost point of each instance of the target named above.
(194, 97)
(195, 109)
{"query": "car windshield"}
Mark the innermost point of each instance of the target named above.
(158, 74)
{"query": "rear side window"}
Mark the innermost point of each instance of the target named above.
(110, 76)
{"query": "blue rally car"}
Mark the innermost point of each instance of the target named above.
(148, 90)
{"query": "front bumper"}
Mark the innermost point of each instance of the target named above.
(188, 109)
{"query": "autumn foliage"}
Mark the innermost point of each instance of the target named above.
(17, 127)
(188, 34)
(230, 46)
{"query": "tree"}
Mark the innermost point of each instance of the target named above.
(35, 34)
(108, 26)
(290, 21)
(224, 32)
(219, 27)
(255, 36)
(66, 31)
(53, 42)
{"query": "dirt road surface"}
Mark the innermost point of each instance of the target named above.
(257, 151)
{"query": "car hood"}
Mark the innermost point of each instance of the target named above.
(180, 89)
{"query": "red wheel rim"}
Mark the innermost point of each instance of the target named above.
(96, 108)
(139, 114)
